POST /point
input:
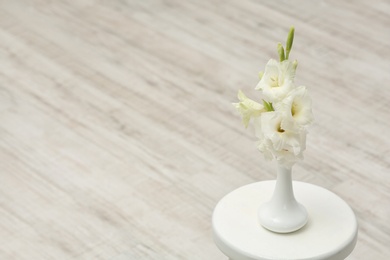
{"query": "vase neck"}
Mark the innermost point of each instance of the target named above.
(283, 187)
(284, 173)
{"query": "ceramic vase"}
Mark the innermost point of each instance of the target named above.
(283, 214)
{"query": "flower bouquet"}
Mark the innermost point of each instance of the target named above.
(280, 123)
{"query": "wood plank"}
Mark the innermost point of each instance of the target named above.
(117, 134)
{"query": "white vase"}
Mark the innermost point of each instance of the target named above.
(283, 214)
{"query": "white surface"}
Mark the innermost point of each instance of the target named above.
(283, 214)
(330, 232)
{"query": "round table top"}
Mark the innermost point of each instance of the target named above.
(330, 233)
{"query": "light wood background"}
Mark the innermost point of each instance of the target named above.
(117, 134)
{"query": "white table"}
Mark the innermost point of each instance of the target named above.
(330, 233)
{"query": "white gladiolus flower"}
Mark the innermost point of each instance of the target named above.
(281, 120)
(276, 142)
(248, 108)
(280, 138)
(296, 110)
(277, 80)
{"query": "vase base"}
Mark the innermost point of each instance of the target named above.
(285, 220)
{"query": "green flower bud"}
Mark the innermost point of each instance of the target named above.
(281, 52)
(289, 43)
